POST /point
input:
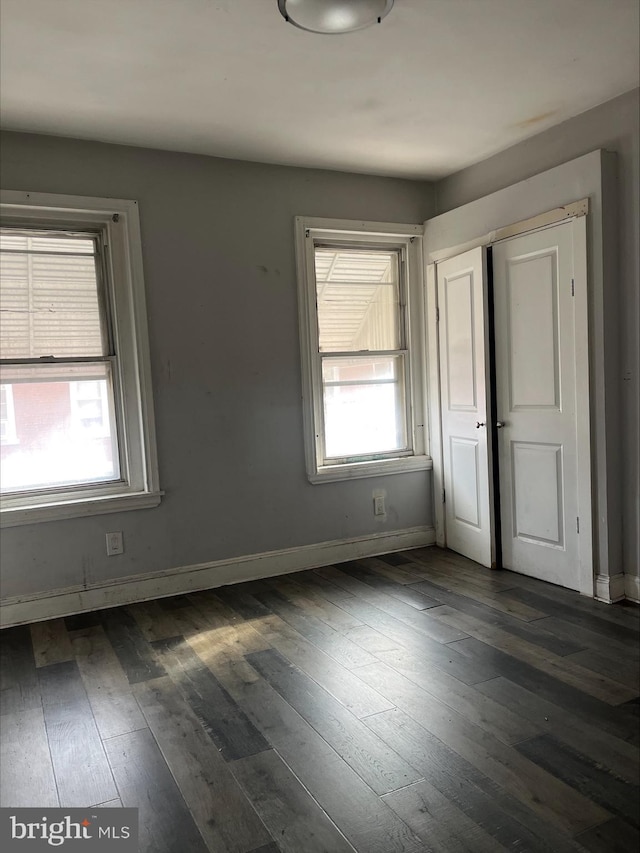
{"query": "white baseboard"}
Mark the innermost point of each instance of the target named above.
(632, 588)
(610, 588)
(79, 599)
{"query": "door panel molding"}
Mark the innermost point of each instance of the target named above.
(534, 348)
(552, 522)
(464, 461)
(459, 334)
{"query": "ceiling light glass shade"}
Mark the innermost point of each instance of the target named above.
(334, 16)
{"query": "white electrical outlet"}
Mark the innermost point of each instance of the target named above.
(378, 505)
(115, 543)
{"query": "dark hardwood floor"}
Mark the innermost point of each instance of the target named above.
(412, 702)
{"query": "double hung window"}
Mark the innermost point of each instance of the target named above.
(77, 434)
(361, 311)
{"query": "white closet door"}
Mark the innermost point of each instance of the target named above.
(463, 391)
(536, 401)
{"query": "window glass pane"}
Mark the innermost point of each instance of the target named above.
(364, 409)
(7, 416)
(357, 296)
(64, 427)
(48, 296)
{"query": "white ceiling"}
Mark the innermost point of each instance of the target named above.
(438, 85)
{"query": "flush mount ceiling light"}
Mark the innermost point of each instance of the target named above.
(334, 16)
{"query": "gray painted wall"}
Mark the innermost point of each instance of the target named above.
(613, 126)
(221, 296)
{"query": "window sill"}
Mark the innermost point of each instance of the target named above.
(380, 468)
(52, 511)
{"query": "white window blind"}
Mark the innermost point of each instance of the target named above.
(49, 297)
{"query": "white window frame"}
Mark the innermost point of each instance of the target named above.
(138, 486)
(408, 239)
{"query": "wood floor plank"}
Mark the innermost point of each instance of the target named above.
(225, 660)
(172, 603)
(488, 805)
(615, 720)
(226, 819)
(534, 632)
(537, 790)
(398, 574)
(596, 685)
(51, 642)
(614, 836)
(19, 685)
(499, 600)
(187, 617)
(442, 656)
(336, 679)
(462, 698)
(154, 622)
(133, 651)
(603, 748)
(442, 826)
(145, 783)
(242, 637)
(26, 771)
(328, 673)
(398, 558)
(419, 620)
(309, 599)
(618, 796)
(114, 708)
(80, 766)
(441, 559)
(224, 626)
(590, 639)
(610, 665)
(367, 823)
(331, 591)
(622, 612)
(224, 612)
(364, 752)
(610, 621)
(82, 621)
(373, 641)
(407, 594)
(222, 719)
(290, 814)
(335, 644)
(239, 600)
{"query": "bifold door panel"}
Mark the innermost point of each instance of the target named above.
(536, 396)
(463, 389)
